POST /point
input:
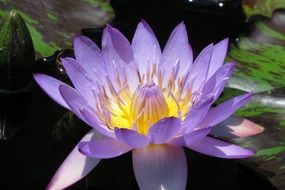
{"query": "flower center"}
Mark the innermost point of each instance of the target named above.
(148, 105)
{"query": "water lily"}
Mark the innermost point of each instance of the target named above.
(153, 103)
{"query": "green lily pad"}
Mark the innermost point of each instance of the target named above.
(260, 56)
(52, 24)
(261, 7)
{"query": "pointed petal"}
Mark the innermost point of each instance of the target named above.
(91, 119)
(235, 127)
(198, 73)
(146, 48)
(89, 56)
(196, 135)
(103, 148)
(131, 138)
(164, 129)
(80, 107)
(80, 79)
(177, 50)
(115, 46)
(217, 148)
(73, 100)
(219, 54)
(219, 80)
(224, 110)
(197, 113)
(75, 166)
(118, 56)
(160, 167)
(51, 87)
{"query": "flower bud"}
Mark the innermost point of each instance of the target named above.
(17, 54)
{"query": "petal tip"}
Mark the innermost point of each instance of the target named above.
(82, 146)
(181, 23)
(250, 153)
(226, 40)
(181, 26)
(79, 38)
(143, 22)
(250, 128)
(223, 43)
(246, 153)
(76, 37)
(109, 28)
(248, 95)
(37, 76)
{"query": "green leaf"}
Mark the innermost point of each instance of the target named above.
(261, 55)
(54, 23)
(261, 7)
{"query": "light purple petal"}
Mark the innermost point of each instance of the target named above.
(50, 86)
(73, 100)
(89, 56)
(196, 135)
(131, 138)
(177, 141)
(118, 56)
(198, 73)
(75, 166)
(91, 119)
(224, 110)
(218, 56)
(115, 46)
(160, 167)
(80, 79)
(164, 129)
(197, 113)
(221, 149)
(235, 127)
(177, 50)
(146, 48)
(79, 106)
(218, 81)
(103, 148)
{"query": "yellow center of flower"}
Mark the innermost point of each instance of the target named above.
(143, 107)
(148, 105)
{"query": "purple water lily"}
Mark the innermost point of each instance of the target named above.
(137, 98)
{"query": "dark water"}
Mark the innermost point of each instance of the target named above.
(42, 133)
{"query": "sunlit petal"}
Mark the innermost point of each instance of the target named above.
(224, 110)
(177, 51)
(51, 87)
(146, 48)
(75, 166)
(218, 56)
(163, 130)
(160, 167)
(132, 138)
(80, 79)
(221, 149)
(89, 56)
(103, 148)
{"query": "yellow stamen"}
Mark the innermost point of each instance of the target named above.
(151, 100)
(149, 103)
